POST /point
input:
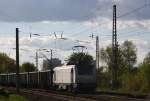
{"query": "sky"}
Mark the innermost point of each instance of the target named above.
(77, 20)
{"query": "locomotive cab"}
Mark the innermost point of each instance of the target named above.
(86, 78)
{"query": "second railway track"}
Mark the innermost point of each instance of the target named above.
(66, 96)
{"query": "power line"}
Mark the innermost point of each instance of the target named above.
(137, 33)
(123, 15)
(134, 10)
(127, 33)
(128, 13)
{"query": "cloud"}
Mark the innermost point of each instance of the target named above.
(126, 9)
(44, 42)
(9, 41)
(69, 10)
(41, 10)
(63, 49)
(122, 25)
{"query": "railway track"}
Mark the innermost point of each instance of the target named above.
(66, 96)
(49, 95)
(127, 96)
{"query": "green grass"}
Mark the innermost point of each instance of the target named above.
(7, 96)
(12, 97)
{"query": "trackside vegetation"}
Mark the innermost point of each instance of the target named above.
(131, 76)
(7, 65)
(7, 96)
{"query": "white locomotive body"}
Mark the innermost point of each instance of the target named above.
(64, 77)
(71, 78)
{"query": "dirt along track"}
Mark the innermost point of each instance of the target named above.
(49, 95)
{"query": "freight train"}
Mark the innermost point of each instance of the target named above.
(67, 77)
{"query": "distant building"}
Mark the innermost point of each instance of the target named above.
(48, 64)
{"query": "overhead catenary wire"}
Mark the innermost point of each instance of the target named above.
(135, 34)
(133, 11)
(121, 16)
(100, 24)
(127, 32)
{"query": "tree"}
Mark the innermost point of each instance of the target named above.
(145, 73)
(139, 81)
(84, 62)
(7, 64)
(103, 78)
(126, 58)
(106, 56)
(28, 67)
(129, 54)
(82, 59)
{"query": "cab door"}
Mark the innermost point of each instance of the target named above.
(72, 76)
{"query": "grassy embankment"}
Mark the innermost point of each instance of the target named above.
(7, 96)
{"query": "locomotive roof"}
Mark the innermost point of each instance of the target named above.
(64, 67)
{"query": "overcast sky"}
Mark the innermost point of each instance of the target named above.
(76, 19)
